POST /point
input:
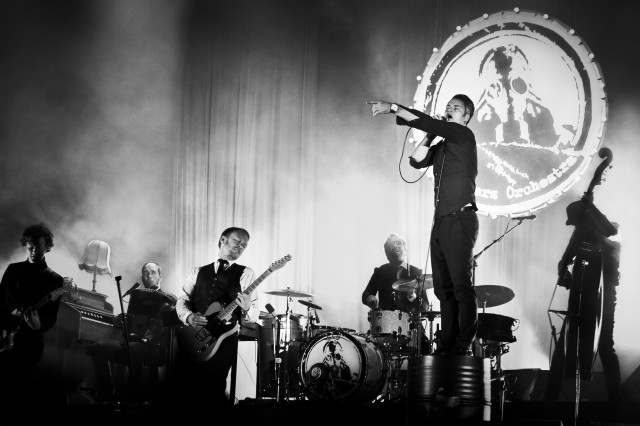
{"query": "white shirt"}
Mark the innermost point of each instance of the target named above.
(184, 305)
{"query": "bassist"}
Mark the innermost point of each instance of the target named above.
(221, 282)
(593, 252)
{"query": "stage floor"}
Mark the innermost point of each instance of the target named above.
(313, 413)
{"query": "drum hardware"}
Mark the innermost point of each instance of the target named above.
(499, 377)
(311, 318)
(281, 374)
(493, 350)
(395, 385)
(430, 315)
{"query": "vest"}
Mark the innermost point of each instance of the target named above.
(222, 288)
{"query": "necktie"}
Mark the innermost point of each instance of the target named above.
(222, 264)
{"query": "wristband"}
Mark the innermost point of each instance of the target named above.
(394, 108)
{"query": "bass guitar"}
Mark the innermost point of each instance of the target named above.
(201, 343)
(7, 335)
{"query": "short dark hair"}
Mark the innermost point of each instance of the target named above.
(468, 104)
(230, 231)
(159, 268)
(33, 234)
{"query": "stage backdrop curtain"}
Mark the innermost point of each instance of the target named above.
(247, 144)
(276, 138)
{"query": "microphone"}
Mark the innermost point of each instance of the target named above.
(269, 308)
(530, 217)
(126, 293)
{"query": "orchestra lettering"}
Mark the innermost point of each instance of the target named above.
(533, 187)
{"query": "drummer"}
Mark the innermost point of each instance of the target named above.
(379, 293)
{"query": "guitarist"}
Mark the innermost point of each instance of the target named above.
(23, 285)
(219, 282)
(597, 241)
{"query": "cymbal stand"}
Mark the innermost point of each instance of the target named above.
(500, 376)
(417, 321)
(430, 318)
(275, 327)
(287, 339)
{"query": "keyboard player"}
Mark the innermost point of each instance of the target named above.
(150, 313)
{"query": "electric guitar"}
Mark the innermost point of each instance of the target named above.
(202, 342)
(7, 335)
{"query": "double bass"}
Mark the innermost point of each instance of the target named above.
(584, 314)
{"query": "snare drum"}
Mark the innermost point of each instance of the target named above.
(494, 327)
(339, 366)
(389, 327)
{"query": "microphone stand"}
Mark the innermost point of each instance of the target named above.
(484, 304)
(126, 332)
(476, 256)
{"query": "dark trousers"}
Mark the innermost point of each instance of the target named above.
(105, 352)
(452, 241)
(203, 384)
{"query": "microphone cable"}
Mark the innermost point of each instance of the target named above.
(404, 144)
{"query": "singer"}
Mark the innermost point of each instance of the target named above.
(454, 159)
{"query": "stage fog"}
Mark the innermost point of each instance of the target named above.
(154, 125)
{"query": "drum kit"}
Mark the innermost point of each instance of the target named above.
(330, 363)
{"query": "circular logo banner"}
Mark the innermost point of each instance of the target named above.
(540, 106)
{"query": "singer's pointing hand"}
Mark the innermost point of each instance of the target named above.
(379, 107)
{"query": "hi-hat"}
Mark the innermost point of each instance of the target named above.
(311, 305)
(493, 295)
(411, 284)
(288, 292)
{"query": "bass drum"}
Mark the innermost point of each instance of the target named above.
(339, 366)
(316, 330)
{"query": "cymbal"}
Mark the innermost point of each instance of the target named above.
(288, 292)
(410, 284)
(429, 314)
(493, 295)
(311, 305)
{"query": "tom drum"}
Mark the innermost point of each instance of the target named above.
(389, 327)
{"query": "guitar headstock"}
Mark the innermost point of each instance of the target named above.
(279, 263)
(70, 288)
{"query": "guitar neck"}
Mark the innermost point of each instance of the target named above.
(42, 301)
(226, 312)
